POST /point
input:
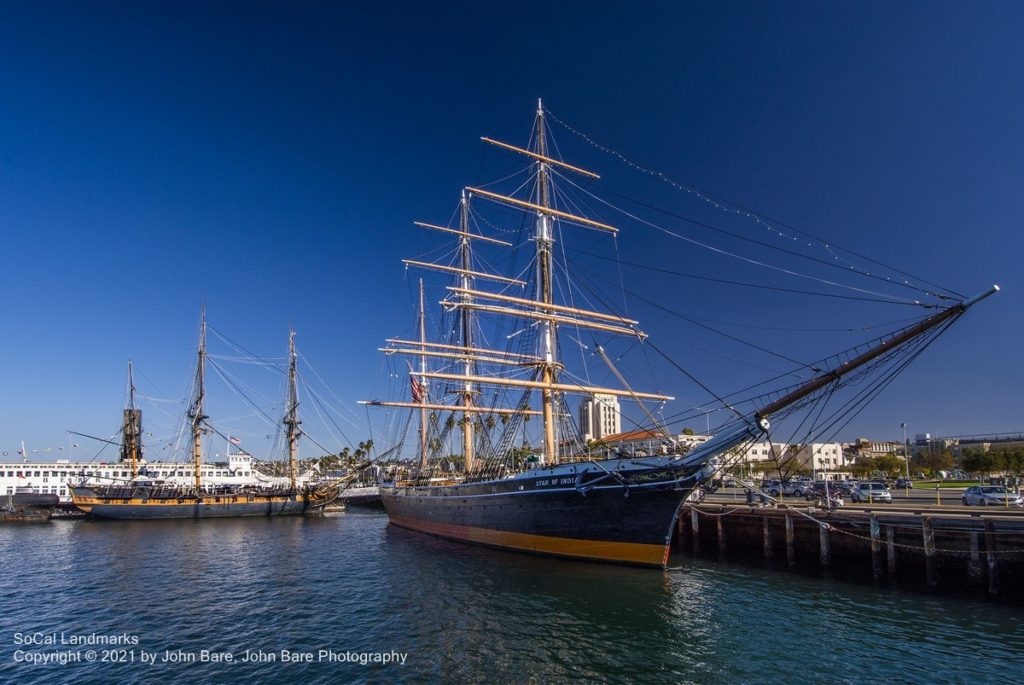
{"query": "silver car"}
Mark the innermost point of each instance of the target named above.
(991, 495)
(871, 492)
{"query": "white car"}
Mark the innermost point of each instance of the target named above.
(991, 495)
(872, 491)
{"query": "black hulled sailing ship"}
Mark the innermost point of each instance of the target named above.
(142, 499)
(609, 509)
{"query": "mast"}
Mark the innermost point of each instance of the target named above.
(196, 411)
(466, 321)
(132, 428)
(544, 292)
(422, 399)
(291, 419)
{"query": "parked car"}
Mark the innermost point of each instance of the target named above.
(819, 491)
(788, 488)
(904, 483)
(802, 486)
(871, 491)
(991, 495)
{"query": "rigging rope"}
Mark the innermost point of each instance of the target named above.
(738, 209)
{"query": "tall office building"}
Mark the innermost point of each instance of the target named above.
(599, 417)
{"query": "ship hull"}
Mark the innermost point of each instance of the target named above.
(570, 511)
(98, 505)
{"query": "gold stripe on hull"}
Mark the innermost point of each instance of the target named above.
(138, 501)
(636, 553)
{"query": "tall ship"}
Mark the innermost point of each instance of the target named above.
(145, 498)
(556, 497)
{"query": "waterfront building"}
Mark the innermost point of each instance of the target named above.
(864, 447)
(762, 459)
(822, 458)
(53, 478)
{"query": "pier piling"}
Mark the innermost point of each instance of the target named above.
(826, 553)
(960, 549)
(974, 567)
(890, 548)
(790, 547)
(876, 548)
(930, 569)
(990, 548)
(695, 527)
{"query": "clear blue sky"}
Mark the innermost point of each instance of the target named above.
(271, 156)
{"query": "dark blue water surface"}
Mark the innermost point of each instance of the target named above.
(354, 586)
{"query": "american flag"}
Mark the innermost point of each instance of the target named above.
(417, 387)
(233, 440)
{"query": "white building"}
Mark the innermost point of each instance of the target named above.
(600, 417)
(762, 459)
(822, 457)
(53, 478)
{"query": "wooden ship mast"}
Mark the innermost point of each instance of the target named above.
(196, 410)
(468, 298)
(291, 419)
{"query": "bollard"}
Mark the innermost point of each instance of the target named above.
(790, 547)
(876, 548)
(769, 553)
(938, 496)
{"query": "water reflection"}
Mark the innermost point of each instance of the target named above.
(465, 613)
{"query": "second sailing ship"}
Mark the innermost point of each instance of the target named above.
(141, 500)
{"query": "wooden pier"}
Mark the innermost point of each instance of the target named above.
(933, 549)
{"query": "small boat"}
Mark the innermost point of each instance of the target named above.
(26, 505)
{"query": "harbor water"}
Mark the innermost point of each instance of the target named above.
(348, 598)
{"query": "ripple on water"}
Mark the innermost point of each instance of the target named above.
(465, 613)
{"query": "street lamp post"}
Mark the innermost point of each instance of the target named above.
(906, 457)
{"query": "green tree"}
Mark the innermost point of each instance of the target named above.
(863, 467)
(934, 461)
(977, 461)
(889, 464)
